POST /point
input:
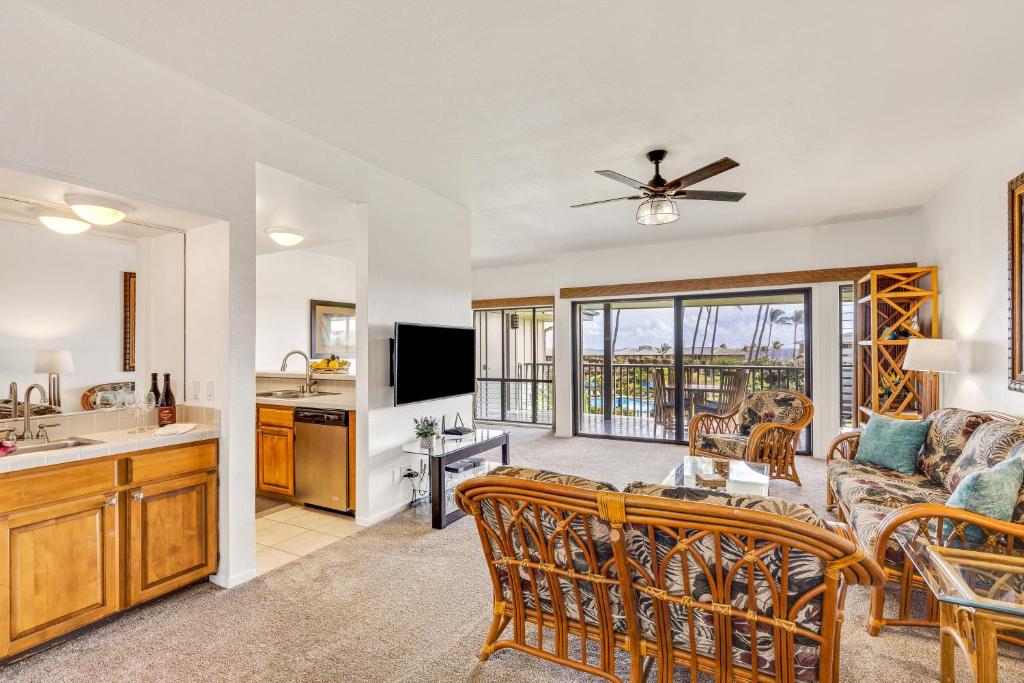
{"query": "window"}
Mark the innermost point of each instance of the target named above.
(846, 356)
(515, 364)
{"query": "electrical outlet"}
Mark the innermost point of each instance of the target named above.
(209, 390)
(195, 390)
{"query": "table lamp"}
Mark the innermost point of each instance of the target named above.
(53, 363)
(930, 357)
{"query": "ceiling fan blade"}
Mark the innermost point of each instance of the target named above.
(605, 201)
(612, 175)
(694, 177)
(711, 195)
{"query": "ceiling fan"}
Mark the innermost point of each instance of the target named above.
(659, 195)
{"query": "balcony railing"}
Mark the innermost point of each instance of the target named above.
(633, 384)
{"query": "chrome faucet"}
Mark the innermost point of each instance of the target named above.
(308, 387)
(27, 433)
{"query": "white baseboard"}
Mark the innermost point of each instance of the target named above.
(378, 517)
(232, 581)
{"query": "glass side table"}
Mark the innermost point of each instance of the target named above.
(737, 477)
(980, 594)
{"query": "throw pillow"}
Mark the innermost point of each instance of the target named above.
(991, 492)
(892, 443)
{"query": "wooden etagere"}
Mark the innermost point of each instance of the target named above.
(892, 307)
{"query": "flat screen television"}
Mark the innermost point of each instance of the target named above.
(432, 361)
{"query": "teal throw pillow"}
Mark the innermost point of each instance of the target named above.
(892, 443)
(991, 492)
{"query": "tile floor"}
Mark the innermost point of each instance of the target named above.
(295, 531)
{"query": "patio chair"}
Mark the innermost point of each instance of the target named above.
(664, 403)
(764, 427)
(732, 388)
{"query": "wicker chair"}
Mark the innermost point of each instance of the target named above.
(581, 572)
(764, 427)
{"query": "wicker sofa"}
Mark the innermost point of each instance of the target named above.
(664, 577)
(764, 427)
(882, 505)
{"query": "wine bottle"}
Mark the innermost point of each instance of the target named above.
(166, 410)
(153, 388)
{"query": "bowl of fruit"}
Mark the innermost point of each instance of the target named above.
(330, 364)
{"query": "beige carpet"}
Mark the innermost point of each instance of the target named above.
(401, 602)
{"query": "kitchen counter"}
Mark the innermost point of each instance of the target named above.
(336, 402)
(339, 376)
(113, 443)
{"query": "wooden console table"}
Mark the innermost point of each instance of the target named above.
(447, 451)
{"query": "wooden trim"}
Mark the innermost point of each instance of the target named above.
(700, 284)
(1015, 199)
(514, 302)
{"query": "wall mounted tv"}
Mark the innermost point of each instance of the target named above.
(432, 361)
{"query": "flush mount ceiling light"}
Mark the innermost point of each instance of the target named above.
(61, 221)
(97, 210)
(657, 211)
(286, 237)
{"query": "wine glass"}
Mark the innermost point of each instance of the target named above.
(150, 404)
(135, 401)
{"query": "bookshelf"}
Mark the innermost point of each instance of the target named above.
(891, 307)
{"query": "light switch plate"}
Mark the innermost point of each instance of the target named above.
(209, 390)
(195, 390)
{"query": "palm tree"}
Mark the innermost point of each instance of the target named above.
(776, 316)
(664, 348)
(796, 321)
(753, 340)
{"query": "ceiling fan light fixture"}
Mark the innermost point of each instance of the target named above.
(657, 211)
(286, 237)
(97, 210)
(60, 221)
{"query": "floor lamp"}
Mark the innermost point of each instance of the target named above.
(929, 357)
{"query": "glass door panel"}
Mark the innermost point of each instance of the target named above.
(514, 360)
(740, 343)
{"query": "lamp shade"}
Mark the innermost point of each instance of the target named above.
(932, 355)
(54, 361)
(657, 211)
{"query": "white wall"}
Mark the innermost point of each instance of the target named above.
(966, 225)
(869, 242)
(160, 311)
(285, 283)
(183, 145)
(61, 292)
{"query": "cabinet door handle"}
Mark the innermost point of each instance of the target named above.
(111, 501)
(137, 495)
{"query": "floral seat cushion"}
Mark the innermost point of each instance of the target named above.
(569, 550)
(768, 406)
(694, 574)
(865, 519)
(950, 431)
(857, 483)
(724, 445)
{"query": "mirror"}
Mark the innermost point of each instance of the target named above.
(1015, 202)
(88, 313)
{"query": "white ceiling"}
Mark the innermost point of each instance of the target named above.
(832, 108)
(287, 201)
(20, 193)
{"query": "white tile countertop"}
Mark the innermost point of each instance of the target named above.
(112, 443)
(340, 376)
(336, 402)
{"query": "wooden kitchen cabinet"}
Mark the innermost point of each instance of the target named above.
(172, 535)
(83, 540)
(275, 460)
(59, 569)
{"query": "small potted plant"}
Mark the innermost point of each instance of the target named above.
(426, 430)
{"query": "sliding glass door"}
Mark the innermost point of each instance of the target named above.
(667, 359)
(515, 364)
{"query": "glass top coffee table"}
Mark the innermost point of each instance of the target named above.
(980, 594)
(720, 474)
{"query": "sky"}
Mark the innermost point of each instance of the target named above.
(653, 327)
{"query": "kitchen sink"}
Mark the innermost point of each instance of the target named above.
(292, 393)
(73, 442)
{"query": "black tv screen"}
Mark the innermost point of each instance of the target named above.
(433, 362)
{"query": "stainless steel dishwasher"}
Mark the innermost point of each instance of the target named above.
(321, 457)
